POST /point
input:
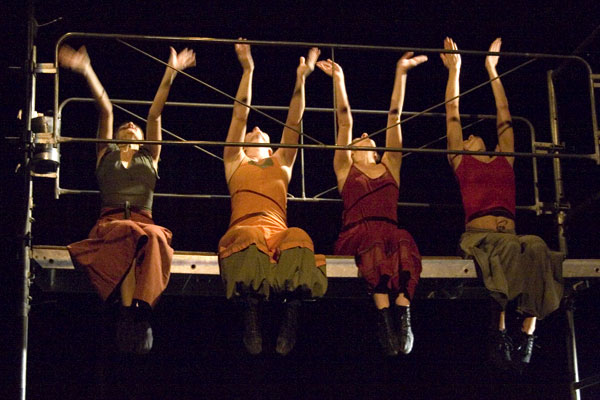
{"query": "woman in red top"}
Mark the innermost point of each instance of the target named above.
(387, 257)
(513, 267)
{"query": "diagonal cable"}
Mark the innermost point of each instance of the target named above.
(453, 98)
(444, 137)
(220, 92)
(166, 131)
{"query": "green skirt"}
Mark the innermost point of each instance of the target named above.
(250, 271)
(518, 267)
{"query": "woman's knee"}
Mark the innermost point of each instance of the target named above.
(297, 234)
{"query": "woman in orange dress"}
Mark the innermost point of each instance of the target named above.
(260, 257)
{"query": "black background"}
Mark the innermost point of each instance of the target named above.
(198, 351)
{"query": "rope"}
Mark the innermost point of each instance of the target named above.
(220, 92)
(453, 98)
(166, 131)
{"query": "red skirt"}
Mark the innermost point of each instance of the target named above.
(385, 255)
(111, 247)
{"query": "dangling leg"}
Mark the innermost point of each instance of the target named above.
(385, 327)
(500, 343)
(252, 328)
(134, 333)
(125, 336)
(286, 340)
(404, 330)
(128, 286)
(526, 339)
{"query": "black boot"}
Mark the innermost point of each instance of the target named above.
(500, 348)
(405, 333)
(252, 332)
(124, 334)
(385, 333)
(134, 333)
(287, 331)
(524, 348)
(142, 330)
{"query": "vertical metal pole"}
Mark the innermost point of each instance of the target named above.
(558, 181)
(536, 182)
(302, 159)
(572, 347)
(27, 203)
(560, 217)
(57, 122)
(593, 86)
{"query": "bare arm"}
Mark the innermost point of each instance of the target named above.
(79, 62)
(453, 126)
(393, 137)
(506, 141)
(232, 156)
(296, 110)
(186, 58)
(342, 160)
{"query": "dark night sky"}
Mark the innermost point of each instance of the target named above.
(555, 27)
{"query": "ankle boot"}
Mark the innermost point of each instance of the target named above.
(142, 331)
(124, 332)
(252, 332)
(500, 348)
(385, 333)
(134, 333)
(524, 348)
(287, 331)
(405, 333)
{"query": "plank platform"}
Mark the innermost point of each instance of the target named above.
(197, 273)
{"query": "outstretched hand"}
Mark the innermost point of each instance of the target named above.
(76, 61)
(450, 60)
(182, 60)
(331, 68)
(407, 61)
(307, 65)
(244, 55)
(492, 61)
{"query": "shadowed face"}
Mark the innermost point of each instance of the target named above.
(474, 143)
(129, 130)
(364, 141)
(257, 136)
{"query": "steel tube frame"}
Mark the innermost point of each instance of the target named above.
(30, 98)
(24, 255)
(63, 104)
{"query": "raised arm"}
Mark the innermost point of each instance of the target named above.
(79, 62)
(393, 136)
(506, 141)
(296, 110)
(232, 156)
(453, 126)
(186, 58)
(342, 160)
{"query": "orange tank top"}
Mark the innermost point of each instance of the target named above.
(259, 195)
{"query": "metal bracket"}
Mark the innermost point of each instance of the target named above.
(553, 207)
(546, 147)
(45, 68)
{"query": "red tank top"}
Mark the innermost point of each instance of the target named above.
(486, 188)
(369, 199)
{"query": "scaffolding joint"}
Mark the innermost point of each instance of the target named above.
(546, 147)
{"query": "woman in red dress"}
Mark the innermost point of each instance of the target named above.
(387, 257)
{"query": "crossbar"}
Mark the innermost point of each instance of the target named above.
(206, 263)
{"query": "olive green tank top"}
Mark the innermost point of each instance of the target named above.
(134, 184)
